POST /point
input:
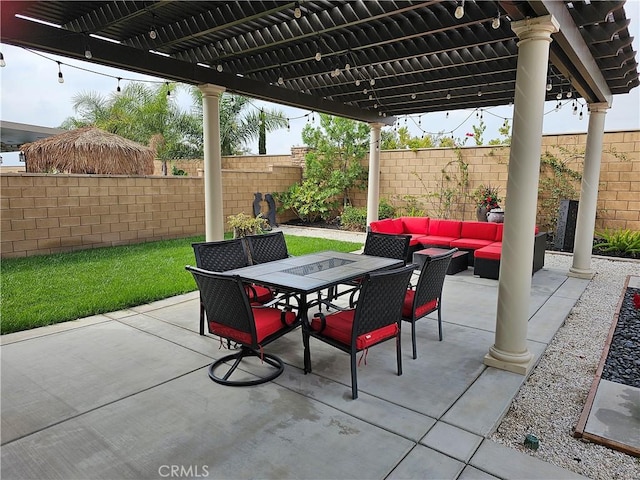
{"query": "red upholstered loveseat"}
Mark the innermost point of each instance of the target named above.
(483, 240)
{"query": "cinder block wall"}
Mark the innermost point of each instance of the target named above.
(43, 214)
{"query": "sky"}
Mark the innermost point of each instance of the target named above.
(30, 93)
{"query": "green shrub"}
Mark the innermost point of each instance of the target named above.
(243, 225)
(385, 210)
(354, 218)
(308, 201)
(623, 241)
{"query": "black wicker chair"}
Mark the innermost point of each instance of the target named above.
(375, 319)
(426, 296)
(379, 245)
(231, 316)
(223, 256)
(267, 247)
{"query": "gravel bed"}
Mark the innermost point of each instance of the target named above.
(623, 361)
(550, 402)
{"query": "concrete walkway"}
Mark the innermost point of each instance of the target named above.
(127, 395)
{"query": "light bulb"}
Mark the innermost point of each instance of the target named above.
(2, 62)
(413, 96)
(495, 24)
(372, 82)
(357, 83)
(459, 12)
(60, 78)
(219, 67)
(118, 90)
(569, 94)
(347, 66)
(153, 34)
(280, 80)
(336, 72)
(549, 87)
(559, 96)
(87, 54)
(580, 114)
(375, 105)
(365, 91)
(479, 93)
(297, 12)
(318, 56)
(448, 96)
(575, 110)
(370, 97)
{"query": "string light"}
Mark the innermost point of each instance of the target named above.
(2, 62)
(357, 82)
(413, 96)
(559, 95)
(87, 49)
(459, 13)
(280, 80)
(549, 86)
(60, 77)
(495, 24)
(569, 94)
(372, 82)
(118, 90)
(219, 67)
(448, 95)
(318, 56)
(297, 11)
(153, 34)
(168, 89)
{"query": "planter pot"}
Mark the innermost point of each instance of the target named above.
(481, 214)
(496, 215)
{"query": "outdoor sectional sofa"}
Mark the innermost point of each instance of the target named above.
(483, 240)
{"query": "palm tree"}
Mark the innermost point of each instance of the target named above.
(239, 125)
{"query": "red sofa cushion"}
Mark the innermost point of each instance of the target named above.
(381, 226)
(470, 243)
(268, 321)
(490, 252)
(436, 240)
(339, 326)
(479, 230)
(445, 228)
(421, 311)
(416, 225)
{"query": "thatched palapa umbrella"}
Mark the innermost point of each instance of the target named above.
(88, 150)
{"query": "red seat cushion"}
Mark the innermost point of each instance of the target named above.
(268, 321)
(259, 294)
(470, 243)
(421, 311)
(490, 252)
(437, 240)
(339, 326)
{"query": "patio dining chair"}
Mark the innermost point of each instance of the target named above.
(426, 296)
(267, 247)
(376, 318)
(231, 316)
(223, 256)
(379, 245)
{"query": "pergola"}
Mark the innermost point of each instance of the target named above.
(370, 61)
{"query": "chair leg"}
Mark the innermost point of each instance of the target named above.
(201, 318)
(439, 322)
(413, 338)
(272, 360)
(307, 351)
(354, 376)
(399, 353)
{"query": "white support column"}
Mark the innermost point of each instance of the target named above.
(510, 350)
(373, 186)
(213, 199)
(585, 225)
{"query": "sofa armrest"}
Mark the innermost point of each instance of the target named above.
(539, 247)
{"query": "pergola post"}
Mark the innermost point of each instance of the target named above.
(373, 186)
(213, 203)
(585, 225)
(510, 351)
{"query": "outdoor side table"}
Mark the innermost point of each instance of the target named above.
(459, 261)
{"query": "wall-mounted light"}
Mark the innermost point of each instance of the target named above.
(459, 13)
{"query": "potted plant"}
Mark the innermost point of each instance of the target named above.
(486, 198)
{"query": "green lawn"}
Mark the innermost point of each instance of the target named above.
(48, 289)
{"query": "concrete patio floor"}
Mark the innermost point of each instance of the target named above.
(127, 395)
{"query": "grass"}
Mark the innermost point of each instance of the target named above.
(48, 289)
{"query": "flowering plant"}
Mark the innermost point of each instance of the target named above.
(486, 196)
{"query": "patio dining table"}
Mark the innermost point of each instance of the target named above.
(312, 273)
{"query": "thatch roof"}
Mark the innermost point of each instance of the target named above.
(88, 150)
